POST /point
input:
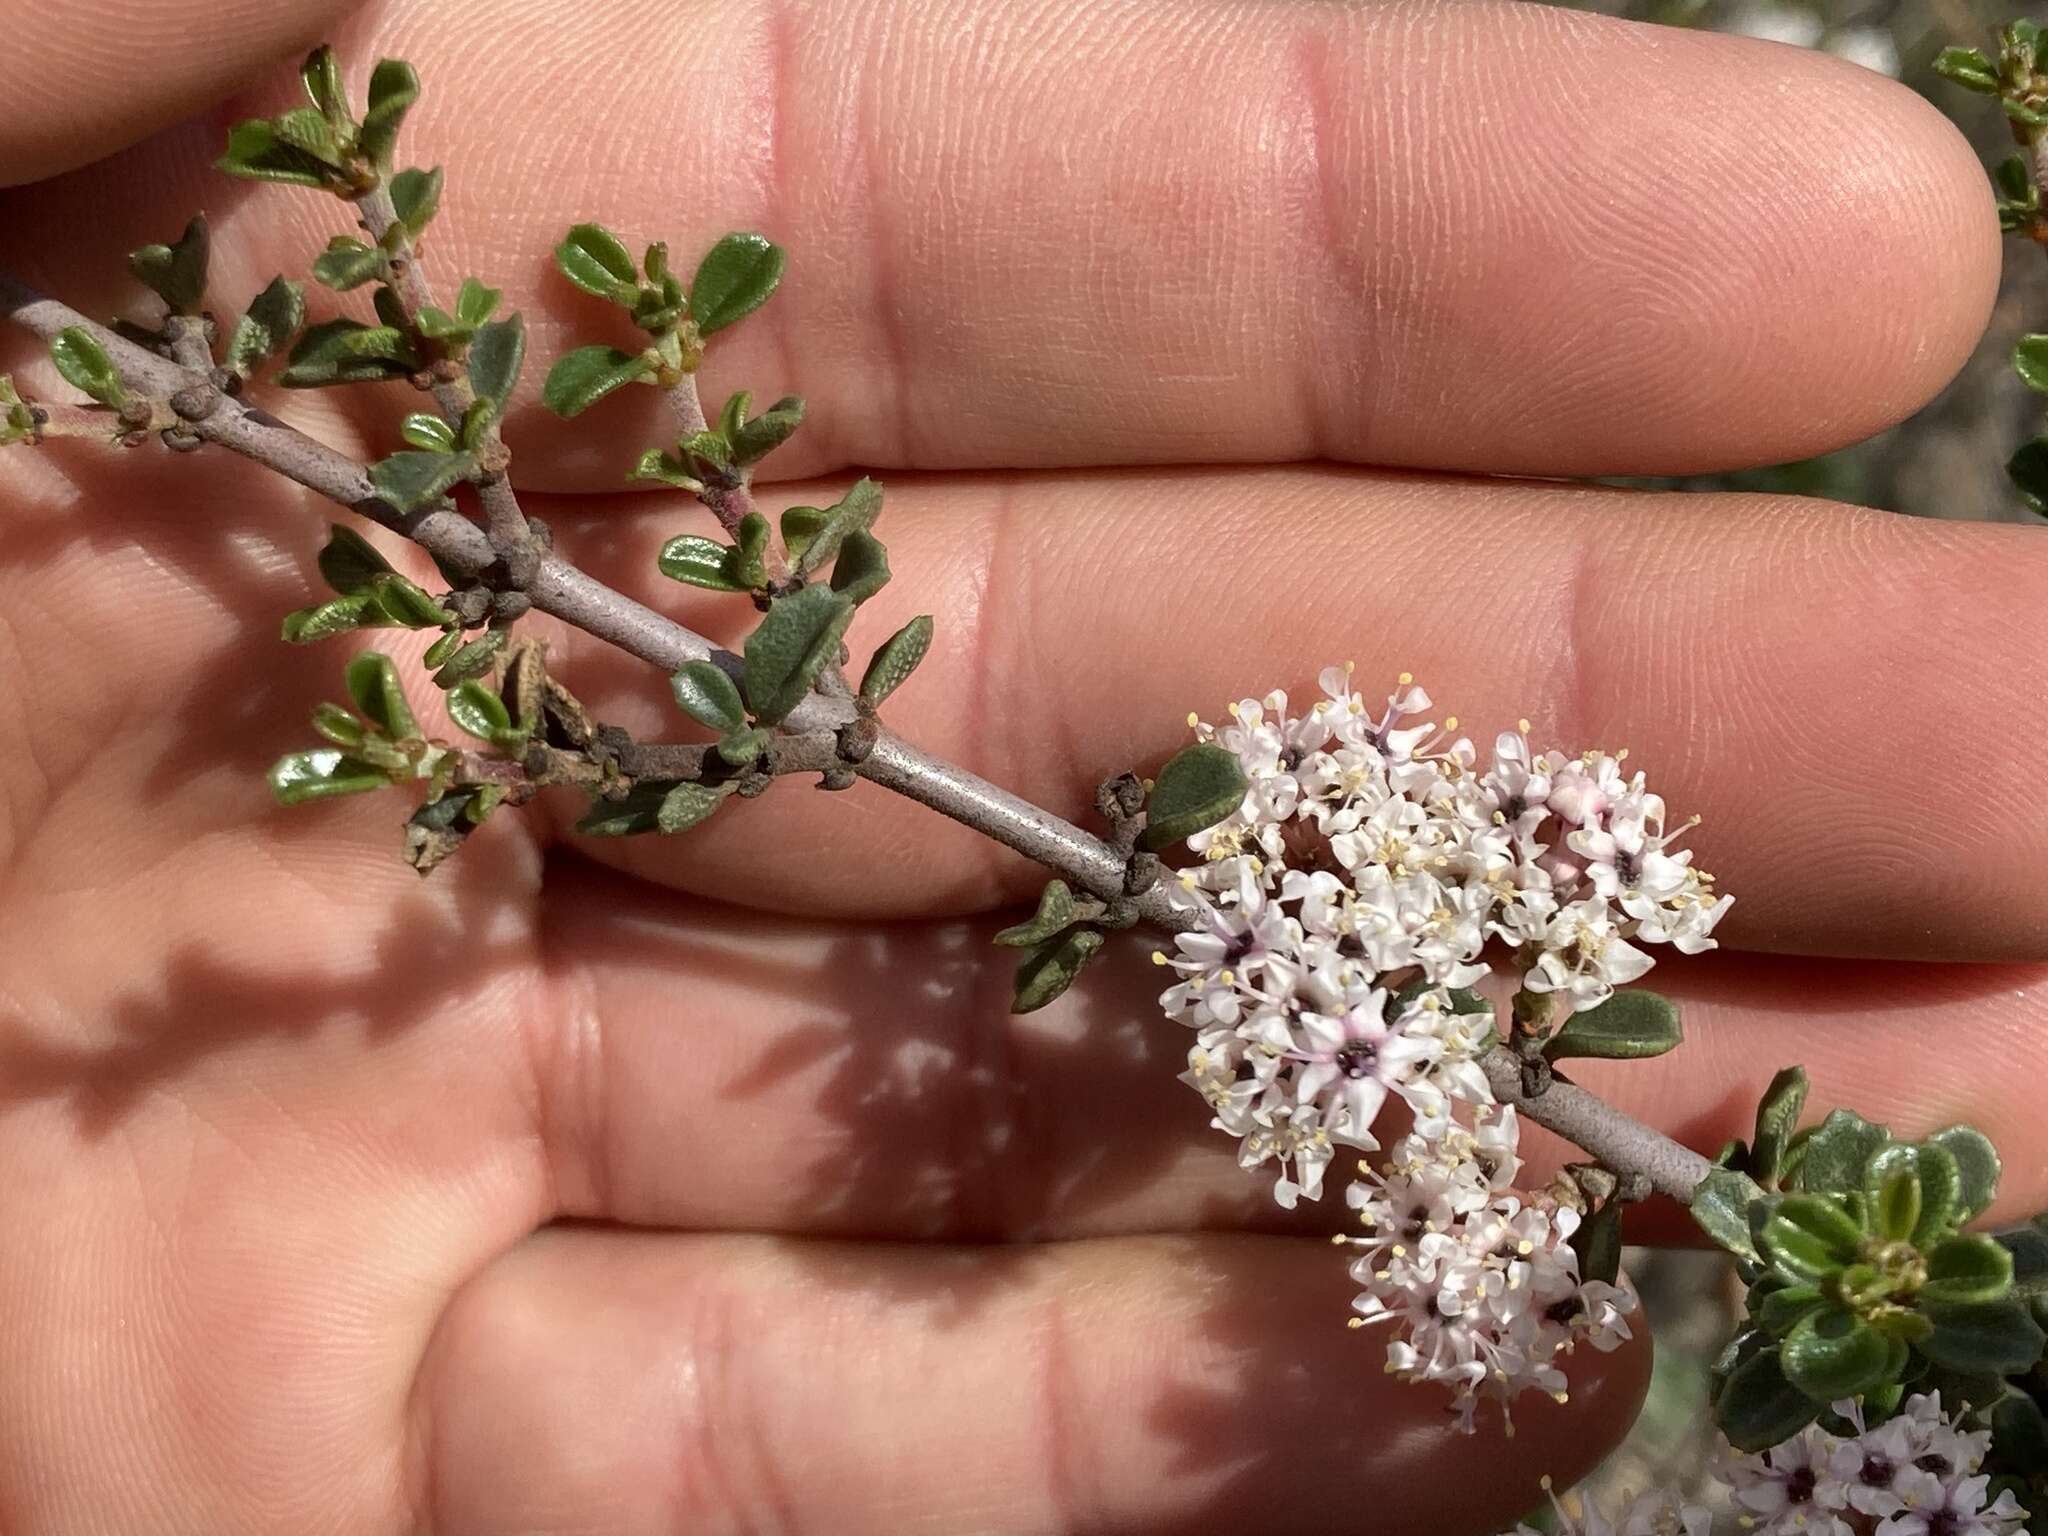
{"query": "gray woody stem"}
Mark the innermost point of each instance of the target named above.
(561, 589)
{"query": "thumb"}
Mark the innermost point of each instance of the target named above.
(81, 78)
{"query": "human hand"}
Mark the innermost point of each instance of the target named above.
(537, 1197)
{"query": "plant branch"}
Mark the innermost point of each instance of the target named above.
(505, 519)
(568, 593)
(730, 504)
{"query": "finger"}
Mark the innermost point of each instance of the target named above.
(722, 1070)
(81, 79)
(1866, 808)
(1302, 241)
(611, 1382)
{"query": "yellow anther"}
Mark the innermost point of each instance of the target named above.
(1405, 679)
(1522, 726)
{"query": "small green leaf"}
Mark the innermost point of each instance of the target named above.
(333, 723)
(442, 649)
(1815, 1231)
(1833, 1154)
(701, 562)
(427, 432)
(1055, 913)
(1940, 1184)
(739, 748)
(349, 562)
(86, 366)
(733, 415)
(1967, 67)
(1896, 1211)
(1781, 1310)
(581, 378)
(862, 568)
(348, 263)
(1198, 787)
(373, 683)
(2030, 361)
(256, 152)
(639, 811)
(360, 610)
(496, 356)
(1629, 1026)
(394, 87)
(176, 273)
(475, 303)
(2015, 179)
(1833, 1354)
(473, 659)
(1047, 971)
(479, 711)
(709, 697)
(797, 638)
(407, 604)
(687, 804)
(1721, 1206)
(594, 259)
(1995, 1336)
(321, 74)
(1977, 1168)
(1777, 1116)
(2029, 471)
(416, 196)
(1757, 1408)
(854, 512)
(348, 352)
(756, 438)
(654, 464)
(412, 479)
(733, 280)
(273, 318)
(896, 659)
(800, 525)
(1597, 1242)
(320, 775)
(2019, 1436)
(1967, 1268)
(752, 543)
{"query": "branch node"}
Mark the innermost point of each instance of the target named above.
(196, 402)
(840, 776)
(509, 605)
(180, 441)
(857, 739)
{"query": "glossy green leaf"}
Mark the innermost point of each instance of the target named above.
(348, 352)
(416, 196)
(348, 263)
(349, 562)
(1055, 913)
(896, 659)
(1896, 1210)
(497, 354)
(800, 525)
(2030, 361)
(750, 566)
(472, 659)
(1833, 1154)
(380, 697)
(1777, 1117)
(1048, 970)
(2028, 469)
(1968, 1267)
(1781, 1310)
(581, 378)
(2015, 180)
(854, 512)
(1629, 1026)
(862, 568)
(256, 152)
(701, 562)
(734, 279)
(1198, 787)
(1994, 1336)
(1834, 1354)
(336, 616)
(1939, 1178)
(413, 479)
(333, 723)
(709, 697)
(407, 603)
(655, 464)
(1977, 1168)
(1967, 67)
(687, 804)
(299, 777)
(595, 260)
(273, 318)
(759, 436)
(86, 366)
(1721, 1206)
(479, 711)
(442, 649)
(427, 432)
(1821, 1218)
(1757, 1407)
(321, 75)
(176, 273)
(394, 87)
(796, 639)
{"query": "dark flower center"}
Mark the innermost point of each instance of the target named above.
(1359, 1059)
(1799, 1486)
(1878, 1470)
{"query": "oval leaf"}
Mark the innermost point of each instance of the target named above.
(582, 378)
(1977, 1168)
(733, 280)
(1629, 1026)
(301, 776)
(897, 658)
(1055, 912)
(1967, 1268)
(373, 683)
(709, 697)
(496, 356)
(595, 260)
(1834, 1354)
(1198, 787)
(1995, 1336)
(1050, 969)
(687, 804)
(701, 562)
(795, 640)
(478, 711)
(1721, 1206)
(273, 318)
(86, 366)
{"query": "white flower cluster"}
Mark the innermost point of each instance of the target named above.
(1367, 871)
(1482, 1288)
(1915, 1474)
